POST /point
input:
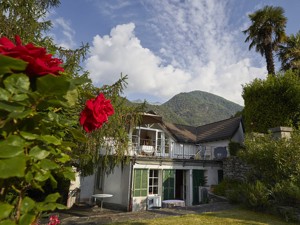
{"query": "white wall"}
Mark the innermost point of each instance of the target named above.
(212, 175)
(86, 188)
(239, 135)
(117, 184)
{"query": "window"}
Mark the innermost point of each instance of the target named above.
(140, 182)
(153, 182)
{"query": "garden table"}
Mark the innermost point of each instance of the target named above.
(101, 197)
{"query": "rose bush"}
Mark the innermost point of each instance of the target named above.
(38, 123)
(39, 62)
(95, 113)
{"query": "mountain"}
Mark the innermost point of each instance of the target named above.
(195, 108)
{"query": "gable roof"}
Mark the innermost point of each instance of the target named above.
(220, 130)
(224, 129)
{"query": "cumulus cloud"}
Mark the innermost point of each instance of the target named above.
(121, 51)
(198, 51)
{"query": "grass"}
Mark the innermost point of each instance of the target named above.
(230, 217)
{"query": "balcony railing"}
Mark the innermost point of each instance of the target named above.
(179, 152)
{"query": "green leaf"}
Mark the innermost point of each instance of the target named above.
(47, 164)
(69, 173)
(52, 197)
(71, 97)
(7, 222)
(11, 147)
(11, 107)
(9, 64)
(28, 177)
(4, 94)
(29, 136)
(42, 176)
(50, 139)
(78, 135)
(64, 158)
(53, 86)
(47, 207)
(27, 218)
(14, 140)
(38, 153)
(13, 167)
(17, 83)
(5, 210)
(19, 97)
(81, 80)
(27, 205)
(20, 115)
(53, 182)
(9, 151)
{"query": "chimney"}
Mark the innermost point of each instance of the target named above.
(281, 132)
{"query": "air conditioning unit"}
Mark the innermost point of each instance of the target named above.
(203, 195)
(153, 201)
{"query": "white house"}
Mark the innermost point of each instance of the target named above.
(167, 161)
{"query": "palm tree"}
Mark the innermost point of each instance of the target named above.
(266, 32)
(289, 53)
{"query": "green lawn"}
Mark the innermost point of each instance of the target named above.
(230, 217)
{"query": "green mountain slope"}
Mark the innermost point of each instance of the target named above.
(196, 108)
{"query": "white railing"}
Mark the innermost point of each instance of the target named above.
(197, 153)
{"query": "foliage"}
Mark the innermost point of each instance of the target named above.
(234, 148)
(35, 124)
(26, 18)
(255, 195)
(272, 102)
(282, 154)
(286, 193)
(230, 189)
(289, 53)
(266, 32)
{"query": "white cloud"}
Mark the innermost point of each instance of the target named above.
(123, 52)
(198, 51)
(66, 33)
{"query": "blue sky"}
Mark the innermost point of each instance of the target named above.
(167, 46)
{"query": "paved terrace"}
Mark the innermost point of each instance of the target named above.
(88, 215)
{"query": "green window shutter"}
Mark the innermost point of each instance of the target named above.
(198, 180)
(140, 185)
(168, 184)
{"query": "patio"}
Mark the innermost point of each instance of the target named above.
(88, 215)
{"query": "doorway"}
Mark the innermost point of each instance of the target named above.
(180, 184)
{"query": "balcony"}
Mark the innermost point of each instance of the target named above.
(178, 151)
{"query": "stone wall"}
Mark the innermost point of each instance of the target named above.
(235, 168)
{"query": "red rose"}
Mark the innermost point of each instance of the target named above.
(95, 113)
(53, 220)
(39, 62)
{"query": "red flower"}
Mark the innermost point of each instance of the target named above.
(53, 220)
(95, 113)
(39, 62)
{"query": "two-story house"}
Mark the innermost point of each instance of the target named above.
(167, 161)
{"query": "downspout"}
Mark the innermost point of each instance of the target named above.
(130, 195)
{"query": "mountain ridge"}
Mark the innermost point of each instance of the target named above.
(195, 108)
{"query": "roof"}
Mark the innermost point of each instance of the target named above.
(224, 129)
(150, 117)
(182, 133)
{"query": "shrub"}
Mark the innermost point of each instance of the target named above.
(256, 196)
(286, 193)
